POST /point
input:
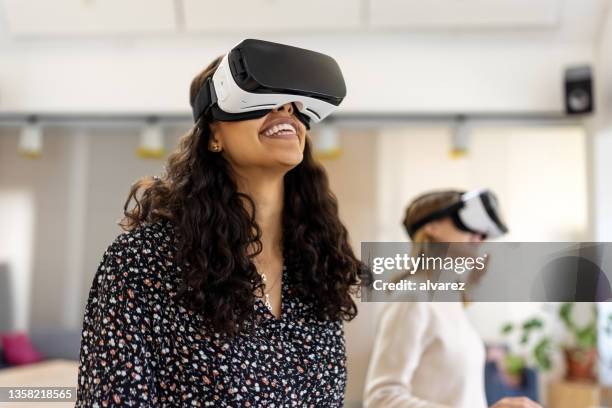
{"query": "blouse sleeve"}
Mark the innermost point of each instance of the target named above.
(115, 358)
(399, 344)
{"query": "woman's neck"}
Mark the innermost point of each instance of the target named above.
(268, 196)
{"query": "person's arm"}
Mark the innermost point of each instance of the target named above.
(516, 402)
(115, 359)
(400, 341)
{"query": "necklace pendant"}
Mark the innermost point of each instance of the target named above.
(267, 302)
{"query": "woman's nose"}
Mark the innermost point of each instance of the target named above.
(288, 107)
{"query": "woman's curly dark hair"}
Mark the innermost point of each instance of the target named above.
(217, 231)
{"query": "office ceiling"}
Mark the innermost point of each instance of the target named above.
(574, 19)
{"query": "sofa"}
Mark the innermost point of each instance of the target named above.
(40, 343)
(496, 388)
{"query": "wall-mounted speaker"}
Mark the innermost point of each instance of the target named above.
(579, 96)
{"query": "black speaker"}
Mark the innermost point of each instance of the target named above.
(579, 97)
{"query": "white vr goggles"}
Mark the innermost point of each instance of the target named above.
(258, 76)
(476, 212)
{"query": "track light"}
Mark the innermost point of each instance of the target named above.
(152, 140)
(327, 142)
(460, 139)
(31, 139)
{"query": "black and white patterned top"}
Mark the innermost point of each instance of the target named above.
(140, 348)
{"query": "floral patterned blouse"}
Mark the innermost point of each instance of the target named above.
(140, 348)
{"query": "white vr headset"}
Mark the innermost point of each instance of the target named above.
(257, 76)
(476, 212)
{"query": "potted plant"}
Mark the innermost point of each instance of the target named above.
(534, 349)
(581, 356)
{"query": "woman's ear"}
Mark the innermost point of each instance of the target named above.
(432, 229)
(214, 144)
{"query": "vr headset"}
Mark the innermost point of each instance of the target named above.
(258, 76)
(476, 212)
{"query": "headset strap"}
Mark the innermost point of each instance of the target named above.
(436, 215)
(204, 100)
(205, 103)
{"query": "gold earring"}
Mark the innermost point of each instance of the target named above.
(216, 147)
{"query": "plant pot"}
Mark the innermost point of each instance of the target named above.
(580, 364)
(511, 380)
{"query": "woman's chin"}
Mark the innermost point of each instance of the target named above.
(289, 159)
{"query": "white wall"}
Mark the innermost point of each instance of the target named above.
(44, 180)
(601, 185)
(76, 191)
(16, 223)
(601, 138)
(385, 72)
(538, 173)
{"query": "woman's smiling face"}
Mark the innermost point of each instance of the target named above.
(273, 141)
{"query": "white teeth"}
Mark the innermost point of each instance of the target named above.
(279, 128)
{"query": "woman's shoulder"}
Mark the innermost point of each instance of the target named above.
(147, 240)
(142, 255)
(147, 234)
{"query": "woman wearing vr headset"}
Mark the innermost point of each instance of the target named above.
(232, 282)
(427, 354)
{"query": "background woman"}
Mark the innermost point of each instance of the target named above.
(230, 286)
(427, 354)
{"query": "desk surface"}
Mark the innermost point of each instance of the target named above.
(575, 394)
(53, 373)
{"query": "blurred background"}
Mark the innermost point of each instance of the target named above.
(441, 94)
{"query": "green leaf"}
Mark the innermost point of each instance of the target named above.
(507, 328)
(587, 336)
(541, 354)
(565, 313)
(514, 364)
(533, 323)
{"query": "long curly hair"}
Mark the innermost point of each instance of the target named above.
(216, 230)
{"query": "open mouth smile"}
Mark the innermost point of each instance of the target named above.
(281, 129)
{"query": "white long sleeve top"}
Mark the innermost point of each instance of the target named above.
(426, 355)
